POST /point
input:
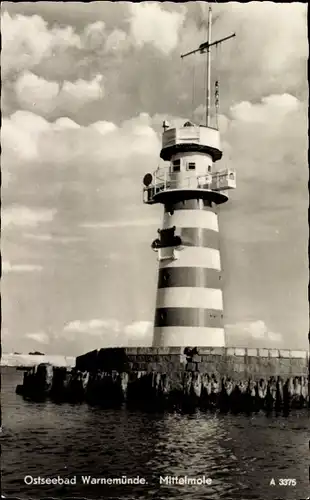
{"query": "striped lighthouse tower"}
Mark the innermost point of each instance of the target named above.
(189, 303)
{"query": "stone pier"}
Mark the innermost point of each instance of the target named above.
(235, 362)
(229, 379)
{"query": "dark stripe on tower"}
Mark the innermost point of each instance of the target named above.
(187, 316)
(189, 277)
(190, 205)
(198, 237)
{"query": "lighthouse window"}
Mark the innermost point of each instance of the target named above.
(176, 165)
(191, 166)
(209, 168)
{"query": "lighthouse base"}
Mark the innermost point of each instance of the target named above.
(230, 379)
(173, 336)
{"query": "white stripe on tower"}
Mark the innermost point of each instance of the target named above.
(195, 257)
(209, 298)
(204, 219)
(175, 336)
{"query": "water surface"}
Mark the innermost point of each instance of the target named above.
(240, 454)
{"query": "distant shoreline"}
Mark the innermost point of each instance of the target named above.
(18, 360)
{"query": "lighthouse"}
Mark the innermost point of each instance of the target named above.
(189, 301)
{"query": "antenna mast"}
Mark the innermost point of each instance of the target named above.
(206, 47)
(208, 90)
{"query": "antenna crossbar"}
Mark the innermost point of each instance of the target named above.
(204, 46)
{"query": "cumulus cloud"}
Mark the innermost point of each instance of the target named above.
(116, 41)
(150, 23)
(137, 328)
(20, 135)
(31, 44)
(252, 334)
(27, 40)
(41, 96)
(25, 216)
(7, 267)
(75, 94)
(28, 122)
(26, 136)
(19, 31)
(273, 107)
(36, 93)
(120, 223)
(104, 127)
(40, 337)
(93, 326)
(94, 35)
(64, 123)
(39, 237)
(81, 170)
(45, 237)
(106, 333)
(267, 145)
(264, 63)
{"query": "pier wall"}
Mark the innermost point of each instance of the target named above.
(234, 362)
(229, 379)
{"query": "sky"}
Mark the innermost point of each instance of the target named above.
(85, 88)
